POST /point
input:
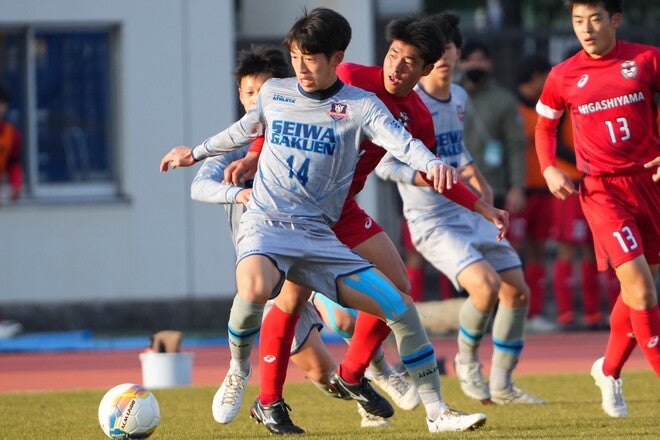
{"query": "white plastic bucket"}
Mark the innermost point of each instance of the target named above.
(165, 370)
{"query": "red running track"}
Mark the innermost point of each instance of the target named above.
(552, 353)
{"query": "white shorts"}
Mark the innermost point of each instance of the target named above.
(309, 321)
(308, 254)
(453, 243)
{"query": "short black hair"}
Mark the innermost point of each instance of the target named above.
(531, 65)
(4, 95)
(475, 46)
(320, 31)
(611, 6)
(419, 32)
(447, 22)
(260, 59)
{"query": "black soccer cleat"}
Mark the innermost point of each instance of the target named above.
(275, 417)
(364, 394)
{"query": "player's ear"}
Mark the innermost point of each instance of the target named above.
(616, 19)
(427, 69)
(337, 58)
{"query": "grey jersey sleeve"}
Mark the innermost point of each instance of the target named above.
(393, 169)
(240, 133)
(209, 185)
(387, 132)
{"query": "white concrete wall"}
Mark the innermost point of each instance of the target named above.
(174, 86)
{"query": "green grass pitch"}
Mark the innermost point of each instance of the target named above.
(573, 412)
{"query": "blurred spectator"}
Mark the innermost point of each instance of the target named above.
(10, 150)
(531, 228)
(493, 128)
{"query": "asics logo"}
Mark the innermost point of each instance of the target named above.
(583, 80)
(358, 397)
(368, 223)
(631, 335)
(653, 342)
(269, 358)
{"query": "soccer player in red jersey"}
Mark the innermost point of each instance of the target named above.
(404, 65)
(608, 89)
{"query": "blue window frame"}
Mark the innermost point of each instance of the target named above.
(61, 83)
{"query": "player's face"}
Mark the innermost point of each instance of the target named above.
(595, 29)
(402, 68)
(315, 71)
(443, 69)
(249, 88)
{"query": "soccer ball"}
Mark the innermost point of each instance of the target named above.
(129, 411)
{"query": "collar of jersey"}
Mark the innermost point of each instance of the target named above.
(325, 93)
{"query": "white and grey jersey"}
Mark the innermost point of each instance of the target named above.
(209, 186)
(312, 146)
(421, 203)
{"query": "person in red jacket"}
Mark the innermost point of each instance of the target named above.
(10, 150)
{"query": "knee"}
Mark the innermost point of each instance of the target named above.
(486, 288)
(343, 322)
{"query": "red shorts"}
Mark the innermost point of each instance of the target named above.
(570, 226)
(355, 226)
(406, 239)
(535, 223)
(622, 212)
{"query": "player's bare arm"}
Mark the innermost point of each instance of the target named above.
(654, 163)
(180, 156)
(559, 183)
(242, 170)
(499, 217)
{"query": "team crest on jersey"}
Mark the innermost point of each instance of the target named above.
(629, 69)
(403, 119)
(338, 111)
(460, 112)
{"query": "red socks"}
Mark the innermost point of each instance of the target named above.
(277, 332)
(369, 334)
(563, 287)
(590, 293)
(535, 277)
(621, 342)
(646, 325)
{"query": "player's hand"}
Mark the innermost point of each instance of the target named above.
(243, 197)
(242, 170)
(515, 200)
(654, 163)
(559, 183)
(499, 217)
(177, 157)
(443, 177)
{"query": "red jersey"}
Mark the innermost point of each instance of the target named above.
(409, 110)
(610, 102)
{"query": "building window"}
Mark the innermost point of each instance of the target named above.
(60, 82)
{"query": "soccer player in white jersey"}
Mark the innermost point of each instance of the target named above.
(608, 88)
(313, 125)
(462, 244)
(255, 65)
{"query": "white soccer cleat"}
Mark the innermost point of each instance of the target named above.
(227, 400)
(401, 390)
(451, 420)
(611, 391)
(515, 396)
(472, 380)
(370, 420)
